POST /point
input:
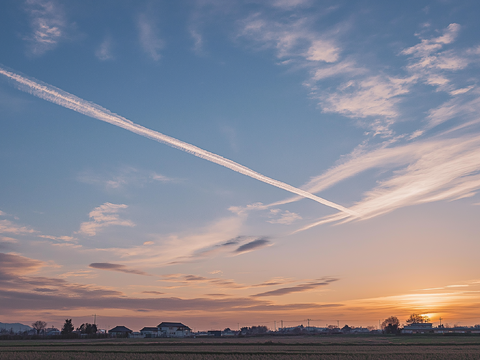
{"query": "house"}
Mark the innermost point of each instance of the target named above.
(120, 331)
(214, 333)
(150, 332)
(418, 328)
(52, 331)
(173, 329)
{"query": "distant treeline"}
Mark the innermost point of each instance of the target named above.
(26, 336)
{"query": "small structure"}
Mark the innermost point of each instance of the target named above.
(150, 332)
(228, 333)
(174, 329)
(119, 331)
(52, 332)
(418, 328)
(214, 333)
(136, 335)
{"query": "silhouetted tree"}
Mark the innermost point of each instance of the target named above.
(39, 326)
(417, 319)
(391, 325)
(67, 327)
(346, 329)
(254, 330)
(88, 328)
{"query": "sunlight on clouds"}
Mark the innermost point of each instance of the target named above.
(285, 218)
(62, 238)
(48, 24)
(289, 39)
(180, 247)
(437, 170)
(104, 216)
(6, 226)
(369, 97)
(421, 302)
(322, 51)
(462, 90)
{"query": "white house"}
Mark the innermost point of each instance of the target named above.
(173, 329)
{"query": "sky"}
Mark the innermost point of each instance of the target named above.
(238, 163)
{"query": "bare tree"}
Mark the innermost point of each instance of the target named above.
(39, 325)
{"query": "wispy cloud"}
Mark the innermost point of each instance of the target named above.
(433, 65)
(18, 286)
(104, 50)
(152, 292)
(362, 93)
(9, 227)
(285, 218)
(151, 43)
(104, 216)
(292, 39)
(123, 177)
(62, 98)
(370, 97)
(8, 239)
(236, 246)
(117, 267)
(290, 4)
(432, 170)
(197, 41)
(48, 25)
(194, 245)
(13, 263)
(60, 238)
(253, 245)
(297, 288)
(16, 277)
(189, 280)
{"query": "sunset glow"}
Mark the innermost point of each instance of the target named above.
(238, 163)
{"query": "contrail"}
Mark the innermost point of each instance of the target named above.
(65, 99)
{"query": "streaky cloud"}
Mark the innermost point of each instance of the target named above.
(296, 288)
(67, 100)
(252, 245)
(117, 267)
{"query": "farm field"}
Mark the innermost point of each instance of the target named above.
(283, 348)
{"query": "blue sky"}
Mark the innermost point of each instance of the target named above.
(369, 105)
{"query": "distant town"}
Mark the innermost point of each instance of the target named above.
(416, 324)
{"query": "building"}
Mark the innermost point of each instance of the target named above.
(150, 332)
(173, 329)
(214, 333)
(52, 331)
(120, 331)
(418, 328)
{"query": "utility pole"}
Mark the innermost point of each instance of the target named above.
(308, 322)
(440, 321)
(94, 319)
(282, 323)
(338, 324)
(275, 325)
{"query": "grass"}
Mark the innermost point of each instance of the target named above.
(302, 348)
